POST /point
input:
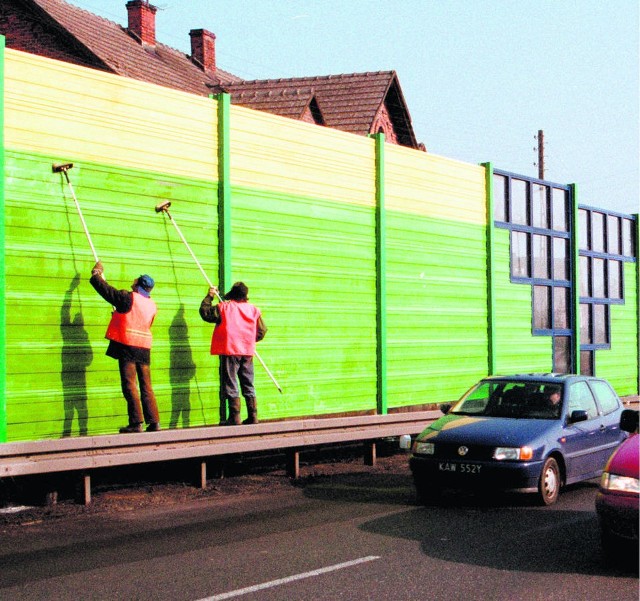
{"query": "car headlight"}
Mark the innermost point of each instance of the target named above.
(423, 448)
(513, 453)
(620, 483)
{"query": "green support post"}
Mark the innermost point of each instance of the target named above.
(381, 279)
(3, 283)
(637, 249)
(575, 277)
(224, 192)
(491, 313)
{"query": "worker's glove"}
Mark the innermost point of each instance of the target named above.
(97, 269)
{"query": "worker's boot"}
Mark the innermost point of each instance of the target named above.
(252, 410)
(234, 413)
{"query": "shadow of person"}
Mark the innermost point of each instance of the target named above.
(181, 370)
(76, 356)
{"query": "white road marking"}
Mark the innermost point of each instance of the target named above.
(279, 581)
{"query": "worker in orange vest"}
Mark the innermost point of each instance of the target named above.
(239, 326)
(129, 335)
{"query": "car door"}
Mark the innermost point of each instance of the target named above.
(585, 441)
(610, 407)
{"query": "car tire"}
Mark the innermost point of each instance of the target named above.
(609, 543)
(550, 482)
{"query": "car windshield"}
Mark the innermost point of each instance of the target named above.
(517, 399)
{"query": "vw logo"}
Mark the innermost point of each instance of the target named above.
(462, 451)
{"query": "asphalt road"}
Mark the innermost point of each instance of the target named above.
(351, 536)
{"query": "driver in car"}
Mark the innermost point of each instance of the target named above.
(553, 396)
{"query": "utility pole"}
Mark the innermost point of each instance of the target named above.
(540, 138)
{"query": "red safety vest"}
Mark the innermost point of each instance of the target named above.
(134, 327)
(236, 333)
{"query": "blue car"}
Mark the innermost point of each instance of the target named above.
(530, 433)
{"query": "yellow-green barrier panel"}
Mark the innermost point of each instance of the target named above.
(304, 242)
(436, 276)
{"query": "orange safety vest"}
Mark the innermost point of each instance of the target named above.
(236, 332)
(134, 327)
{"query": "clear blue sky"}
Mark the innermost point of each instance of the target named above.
(480, 77)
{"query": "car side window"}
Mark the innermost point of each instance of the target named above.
(580, 397)
(607, 399)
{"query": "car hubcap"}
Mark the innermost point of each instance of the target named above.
(550, 482)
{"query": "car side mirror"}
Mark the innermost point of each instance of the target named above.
(629, 420)
(579, 415)
(445, 408)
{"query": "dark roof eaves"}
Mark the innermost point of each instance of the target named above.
(73, 39)
(405, 110)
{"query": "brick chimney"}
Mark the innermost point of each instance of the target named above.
(142, 21)
(203, 49)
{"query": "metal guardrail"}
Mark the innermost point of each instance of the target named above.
(83, 454)
(87, 453)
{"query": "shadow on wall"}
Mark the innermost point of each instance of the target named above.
(182, 370)
(76, 356)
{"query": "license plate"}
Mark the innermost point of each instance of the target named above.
(459, 468)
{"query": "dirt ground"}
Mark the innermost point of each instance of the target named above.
(125, 489)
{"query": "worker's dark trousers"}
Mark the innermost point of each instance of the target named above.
(232, 369)
(139, 404)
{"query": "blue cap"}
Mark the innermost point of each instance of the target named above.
(146, 281)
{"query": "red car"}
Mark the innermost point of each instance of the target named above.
(617, 498)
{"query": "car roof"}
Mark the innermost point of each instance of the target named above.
(547, 378)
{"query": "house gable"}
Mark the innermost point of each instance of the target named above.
(396, 111)
(313, 114)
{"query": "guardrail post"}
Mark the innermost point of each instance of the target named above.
(293, 463)
(370, 453)
(203, 475)
(86, 488)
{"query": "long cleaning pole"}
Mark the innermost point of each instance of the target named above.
(164, 208)
(64, 168)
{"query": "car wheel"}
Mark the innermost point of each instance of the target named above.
(608, 542)
(549, 484)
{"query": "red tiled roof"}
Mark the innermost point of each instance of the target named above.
(278, 100)
(348, 102)
(124, 55)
